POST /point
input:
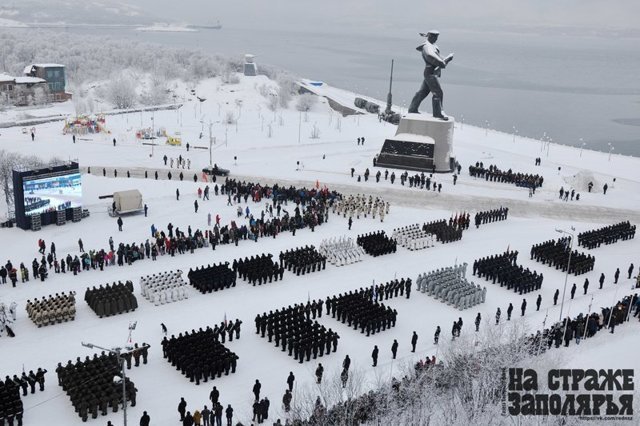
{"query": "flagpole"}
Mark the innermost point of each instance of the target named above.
(544, 322)
(584, 336)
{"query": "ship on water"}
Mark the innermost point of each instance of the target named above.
(217, 26)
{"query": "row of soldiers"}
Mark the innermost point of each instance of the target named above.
(358, 310)
(382, 291)
(341, 251)
(257, 269)
(444, 233)
(607, 235)
(359, 205)
(413, 237)
(111, 300)
(200, 355)
(558, 252)
(451, 286)
(294, 331)
(302, 260)
(494, 174)
(52, 310)
(504, 269)
(460, 221)
(212, 278)
(489, 216)
(91, 387)
(164, 288)
(377, 243)
(11, 407)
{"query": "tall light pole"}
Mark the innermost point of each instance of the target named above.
(515, 132)
(117, 352)
(582, 144)
(610, 149)
(566, 277)
(153, 131)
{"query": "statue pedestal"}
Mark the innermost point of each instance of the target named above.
(421, 143)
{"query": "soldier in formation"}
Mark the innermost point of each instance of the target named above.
(303, 260)
(112, 299)
(556, 253)
(503, 269)
(293, 330)
(491, 216)
(450, 286)
(212, 278)
(341, 251)
(377, 243)
(166, 287)
(199, 355)
(413, 237)
(607, 235)
(258, 269)
(53, 310)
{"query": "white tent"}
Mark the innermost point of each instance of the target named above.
(127, 201)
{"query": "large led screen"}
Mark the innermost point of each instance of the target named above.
(52, 193)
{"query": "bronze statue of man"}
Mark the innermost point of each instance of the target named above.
(434, 63)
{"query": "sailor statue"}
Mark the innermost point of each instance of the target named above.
(434, 63)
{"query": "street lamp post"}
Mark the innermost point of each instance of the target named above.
(566, 277)
(117, 352)
(515, 132)
(610, 149)
(582, 144)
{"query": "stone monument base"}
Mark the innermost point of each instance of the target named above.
(421, 143)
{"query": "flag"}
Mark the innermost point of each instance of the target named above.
(225, 319)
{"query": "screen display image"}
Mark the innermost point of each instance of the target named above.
(52, 193)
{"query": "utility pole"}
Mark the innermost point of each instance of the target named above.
(210, 144)
(389, 96)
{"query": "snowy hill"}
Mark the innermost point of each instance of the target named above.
(259, 140)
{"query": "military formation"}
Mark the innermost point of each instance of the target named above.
(377, 243)
(163, 288)
(360, 311)
(504, 269)
(607, 235)
(444, 232)
(52, 310)
(360, 205)
(341, 251)
(489, 216)
(11, 407)
(494, 174)
(200, 355)
(460, 221)
(412, 237)
(212, 278)
(111, 300)
(91, 387)
(450, 286)
(258, 269)
(302, 260)
(293, 330)
(557, 253)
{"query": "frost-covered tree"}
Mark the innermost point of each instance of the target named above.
(306, 102)
(40, 96)
(121, 91)
(157, 92)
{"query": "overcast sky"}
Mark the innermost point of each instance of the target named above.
(378, 14)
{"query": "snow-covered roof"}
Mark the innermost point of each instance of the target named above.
(29, 80)
(27, 69)
(6, 78)
(407, 137)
